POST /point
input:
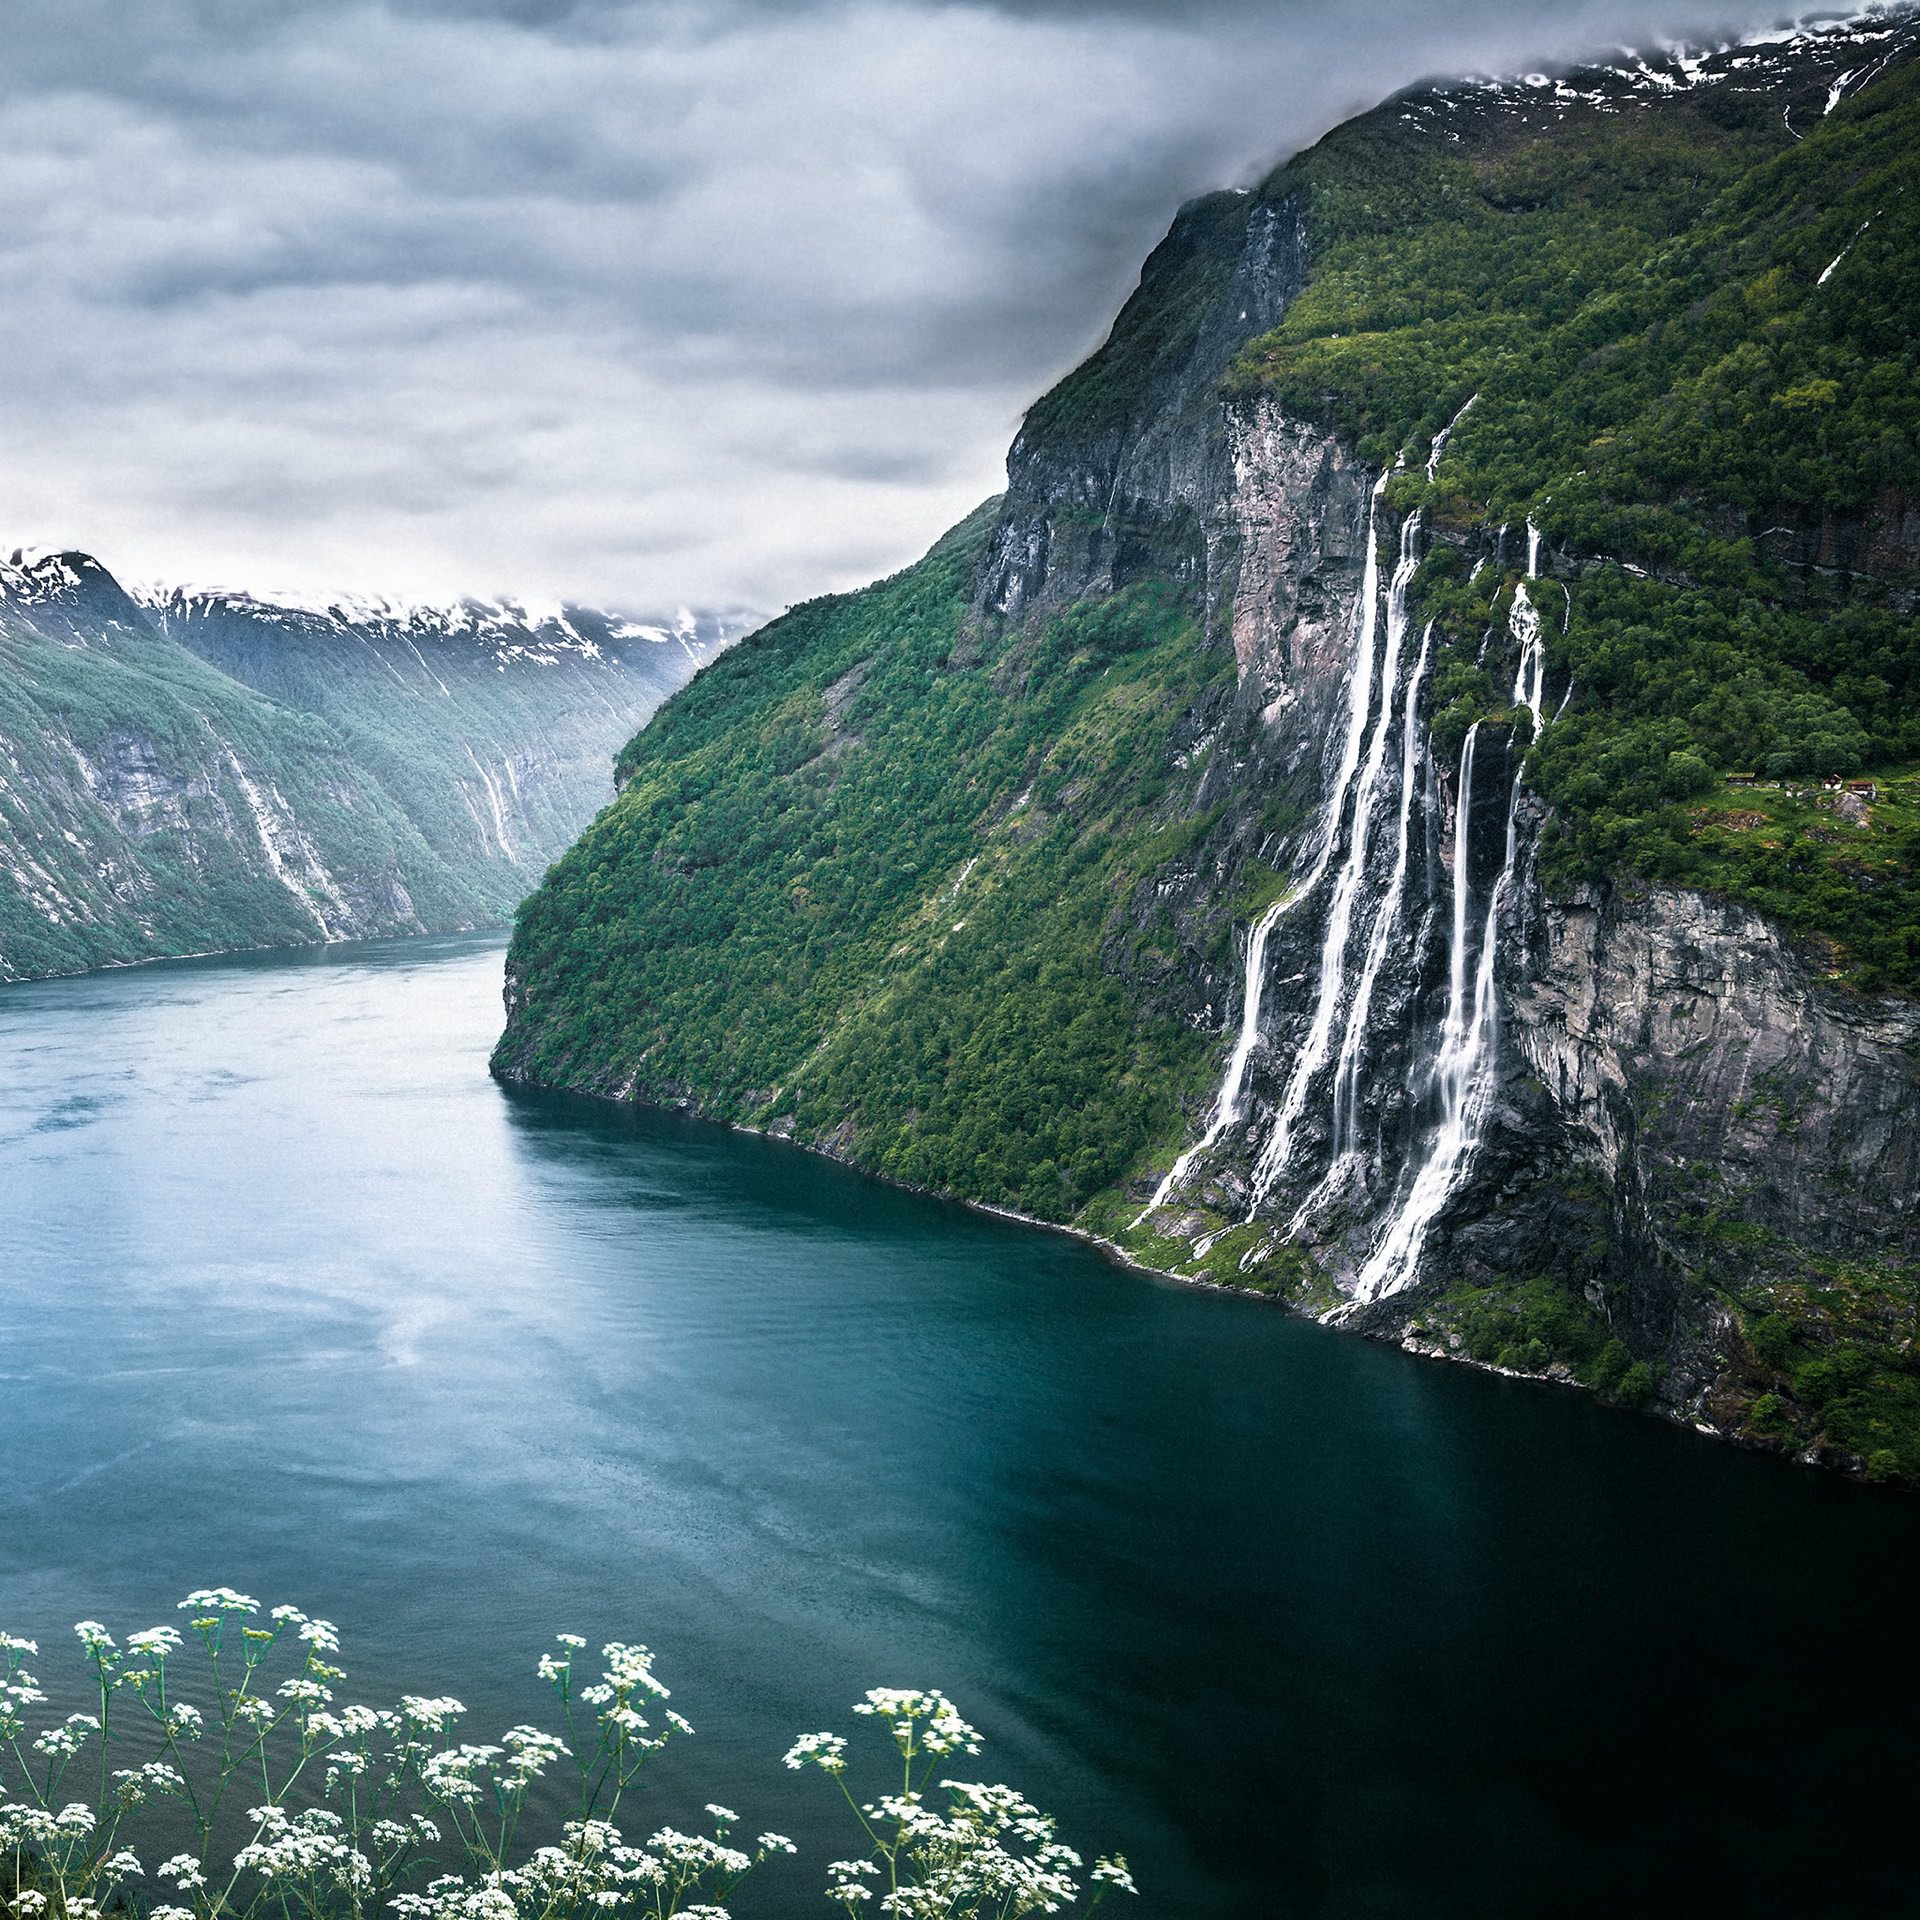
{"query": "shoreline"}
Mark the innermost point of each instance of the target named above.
(264, 946)
(1115, 1255)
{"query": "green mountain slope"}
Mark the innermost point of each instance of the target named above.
(854, 884)
(957, 877)
(1689, 344)
(213, 773)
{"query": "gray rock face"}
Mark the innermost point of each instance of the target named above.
(1668, 1029)
(1660, 1082)
(1101, 492)
(205, 771)
(1618, 1094)
(1676, 1058)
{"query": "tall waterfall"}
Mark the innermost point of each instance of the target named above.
(1463, 1068)
(1438, 451)
(1346, 1083)
(1226, 1105)
(1330, 996)
(1325, 835)
(1382, 916)
(1529, 682)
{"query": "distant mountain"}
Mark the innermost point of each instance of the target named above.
(1410, 803)
(184, 772)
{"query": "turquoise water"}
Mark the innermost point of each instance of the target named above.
(294, 1299)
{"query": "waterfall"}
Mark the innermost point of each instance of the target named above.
(1463, 1073)
(1437, 451)
(1359, 703)
(1463, 1068)
(1530, 679)
(1312, 1053)
(1226, 1105)
(1359, 681)
(1346, 1082)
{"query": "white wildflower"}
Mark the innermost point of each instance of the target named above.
(429, 1715)
(219, 1600)
(827, 1751)
(629, 1667)
(136, 1784)
(63, 1742)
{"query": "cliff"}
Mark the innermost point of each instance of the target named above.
(194, 772)
(1303, 832)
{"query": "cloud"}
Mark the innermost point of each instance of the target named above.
(635, 303)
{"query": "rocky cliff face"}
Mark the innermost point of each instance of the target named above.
(1446, 1087)
(1604, 1133)
(1206, 894)
(198, 772)
(1120, 474)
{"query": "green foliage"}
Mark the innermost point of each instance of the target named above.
(859, 882)
(1833, 1346)
(127, 831)
(1663, 376)
(1635, 298)
(349, 1812)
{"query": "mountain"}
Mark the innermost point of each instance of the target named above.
(1410, 802)
(189, 772)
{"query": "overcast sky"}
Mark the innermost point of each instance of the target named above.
(610, 300)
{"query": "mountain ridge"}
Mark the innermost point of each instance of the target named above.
(188, 772)
(1353, 821)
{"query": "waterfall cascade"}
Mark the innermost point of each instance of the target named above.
(1437, 452)
(1375, 914)
(1330, 997)
(1346, 1082)
(1462, 1075)
(1324, 837)
(1226, 1105)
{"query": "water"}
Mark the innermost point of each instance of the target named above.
(296, 1300)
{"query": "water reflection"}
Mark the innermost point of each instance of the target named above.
(295, 1299)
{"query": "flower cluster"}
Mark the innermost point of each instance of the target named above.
(920, 1722)
(990, 1852)
(378, 1814)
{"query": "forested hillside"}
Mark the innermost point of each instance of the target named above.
(1365, 816)
(1685, 343)
(900, 839)
(209, 772)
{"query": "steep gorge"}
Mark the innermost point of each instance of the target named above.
(187, 773)
(1289, 833)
